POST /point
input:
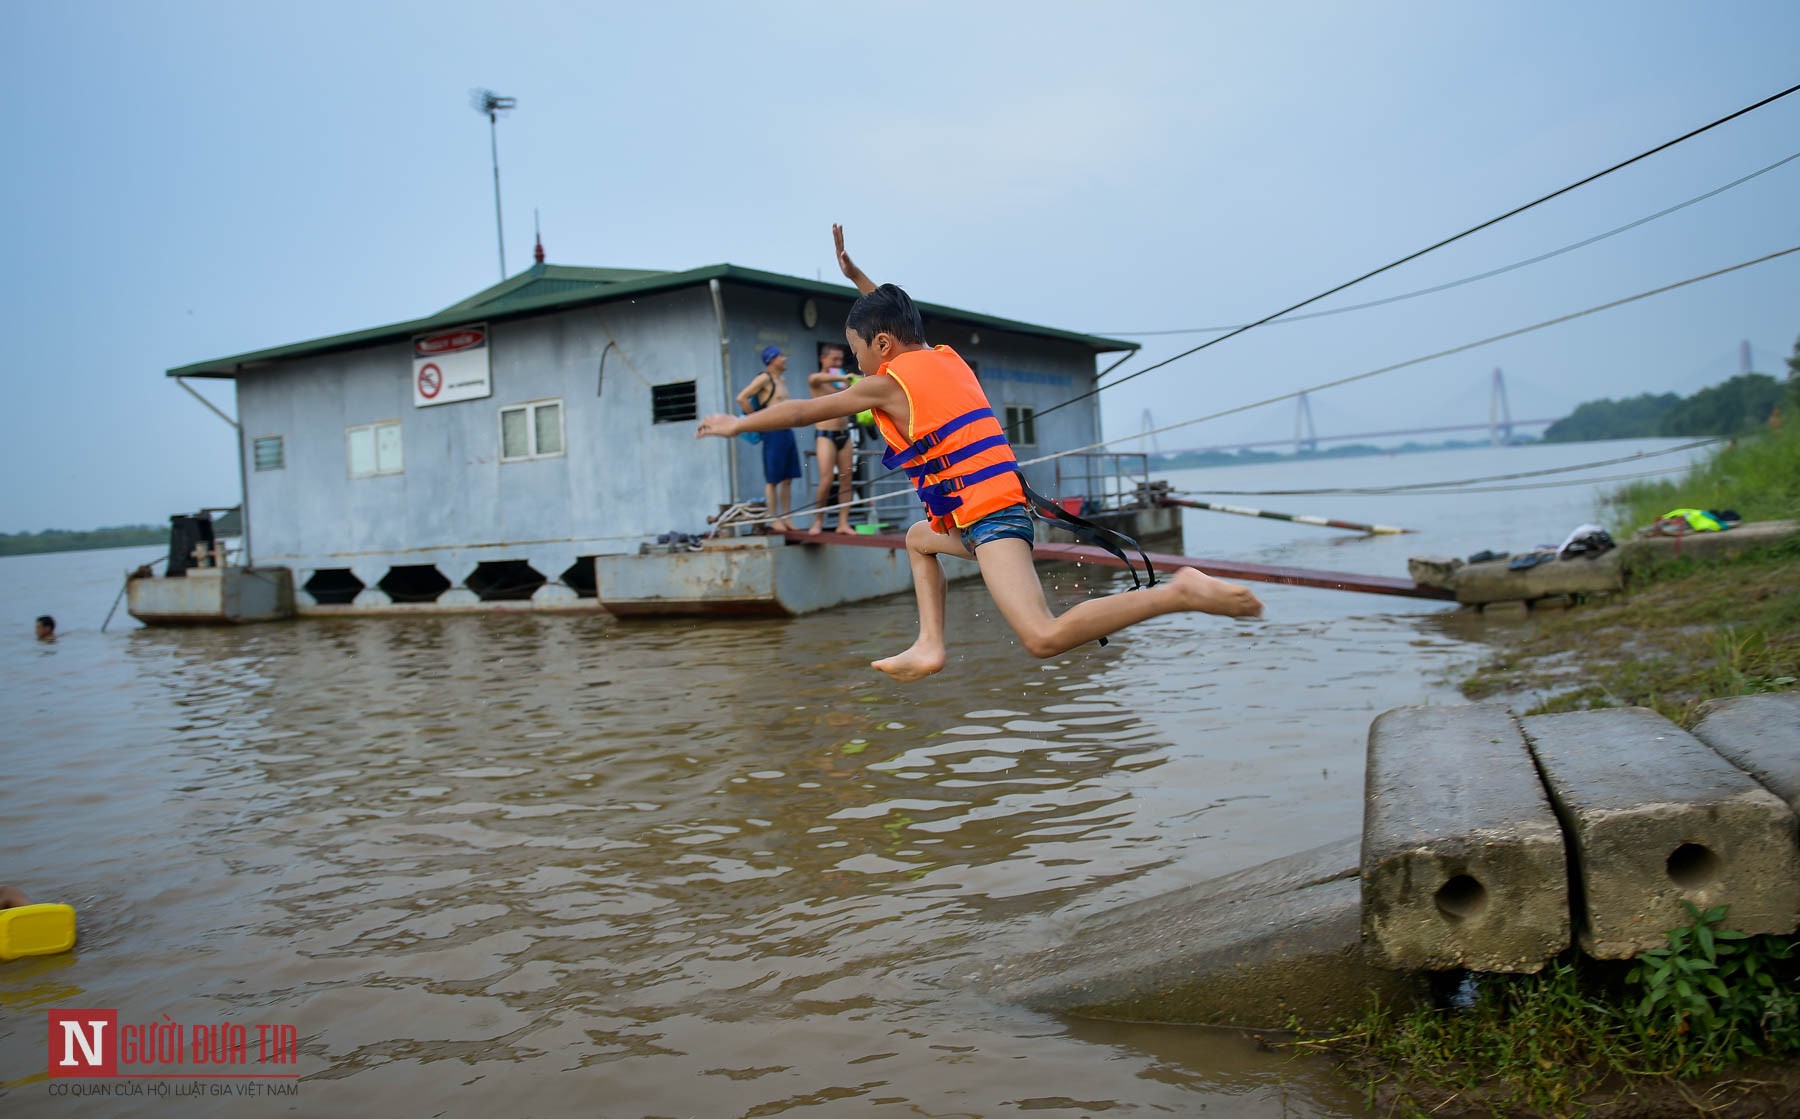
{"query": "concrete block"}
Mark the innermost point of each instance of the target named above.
(1462, 859)
(1654, 818)
(1505, 611)
(1760, 734)
(1553, 603)
(1258, 948)
(1710, 545)
(1434, 571)
(1495, 582)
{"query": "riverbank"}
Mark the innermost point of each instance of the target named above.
(1584, 1038)
(1685, 631)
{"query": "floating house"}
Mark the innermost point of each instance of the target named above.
(488, 455)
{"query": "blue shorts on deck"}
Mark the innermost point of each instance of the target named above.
(781, 456)
(1010, 523)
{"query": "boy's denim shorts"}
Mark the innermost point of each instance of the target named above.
(1010, 523)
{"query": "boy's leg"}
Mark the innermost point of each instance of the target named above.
(845, 457)
(1011, 579)
(923, 547)
(774, 522)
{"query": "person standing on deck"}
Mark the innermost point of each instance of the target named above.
(831, 439)
(932, 412)
(781, 455)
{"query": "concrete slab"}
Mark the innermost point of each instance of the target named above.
(1734, 541)
(1434, 571)
(1463, 862)
(1479, 583)
(1760, 734)
(1654, 817)
(1268, 945)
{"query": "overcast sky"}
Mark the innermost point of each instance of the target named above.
(190, 180)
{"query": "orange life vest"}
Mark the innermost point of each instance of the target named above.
(954, 449)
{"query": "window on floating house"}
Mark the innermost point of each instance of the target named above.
(530, 431)
(1021, 425)
(266, 450)
(673, 403)
(374, 449)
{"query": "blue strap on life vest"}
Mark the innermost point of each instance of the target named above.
(940, 497)
(944, 462)
(930, 439)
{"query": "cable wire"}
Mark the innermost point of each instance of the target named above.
(1515, 211)
(1466, 279)
(1420, 360)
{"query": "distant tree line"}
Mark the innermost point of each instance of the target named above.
(1741, 404)
(64, 540)
(117, 536)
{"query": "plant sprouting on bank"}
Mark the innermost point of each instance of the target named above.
(1583, 1033)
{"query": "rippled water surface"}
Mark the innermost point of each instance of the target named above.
(567, 865)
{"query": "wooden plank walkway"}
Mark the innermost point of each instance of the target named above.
(1224, 569)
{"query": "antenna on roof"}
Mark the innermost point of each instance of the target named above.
(492, 104)
(537, 253)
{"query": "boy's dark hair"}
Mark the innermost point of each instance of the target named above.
(47, 621)
(887, 310)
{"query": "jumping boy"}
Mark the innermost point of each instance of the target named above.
(933, 414)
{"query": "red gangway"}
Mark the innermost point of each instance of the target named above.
(1225, 569)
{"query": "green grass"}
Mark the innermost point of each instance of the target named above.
(1582, 1035)
(1757, 475)
(1685, 633)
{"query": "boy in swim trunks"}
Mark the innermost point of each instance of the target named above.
(831, 439)
(933, 413)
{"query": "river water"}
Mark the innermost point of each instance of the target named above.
(566, 865)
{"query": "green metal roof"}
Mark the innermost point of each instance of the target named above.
(552, 287)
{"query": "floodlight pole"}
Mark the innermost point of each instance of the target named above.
(494, 145)
(491, 103)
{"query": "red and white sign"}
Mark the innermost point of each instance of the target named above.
(451, 365)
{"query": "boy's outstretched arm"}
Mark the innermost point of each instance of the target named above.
(870, 392)
(851, 272)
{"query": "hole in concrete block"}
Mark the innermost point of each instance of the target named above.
(416, 582)
(505, 581)
(1692, 866)
(1461, 897)
(580, 577)
(334, 586)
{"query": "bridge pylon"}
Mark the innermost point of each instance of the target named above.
(1306, 436)
(1147, 425)
(1500, 428)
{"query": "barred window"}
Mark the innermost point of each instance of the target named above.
(673, 403)
(267, 452)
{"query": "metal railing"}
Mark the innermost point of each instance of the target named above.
(1104, 480)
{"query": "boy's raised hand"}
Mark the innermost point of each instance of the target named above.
(847, 266)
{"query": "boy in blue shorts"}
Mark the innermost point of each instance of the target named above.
(933, 415)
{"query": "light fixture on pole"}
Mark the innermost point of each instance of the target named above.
(492, 104)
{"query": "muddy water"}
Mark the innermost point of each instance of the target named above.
(565, 865)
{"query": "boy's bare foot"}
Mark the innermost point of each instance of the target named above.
(914, 664)
(1215, 596)
(781, 525)
(844, 527)
(817, 529)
